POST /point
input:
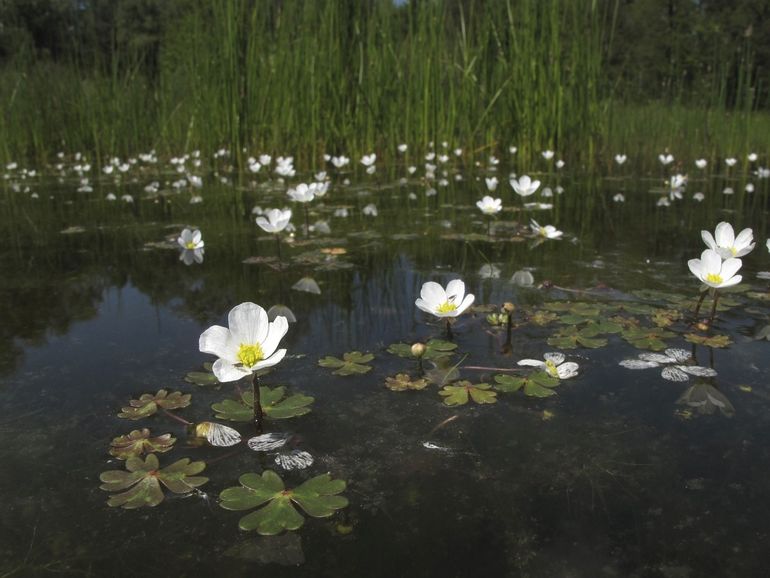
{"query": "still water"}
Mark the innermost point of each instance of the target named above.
(621, 473)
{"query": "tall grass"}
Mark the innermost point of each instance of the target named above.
(354, 76)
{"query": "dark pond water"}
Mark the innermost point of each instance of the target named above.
(615, 475)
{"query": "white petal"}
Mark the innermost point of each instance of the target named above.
(679, 355)
(267, 442)
(467, 302)
(724, 235)
(531, 363)
(218, 341)
(656, 358)
(433, 294)
(270, 361)
(708, 239)
(226, 371)
(222, 436)
(567, 370)
(730, 267)
(248, 323)
(638, 364)
(455, 291)
(277, 329)
(673, 374)
(554, 357)
(294, 460)
(697, 370)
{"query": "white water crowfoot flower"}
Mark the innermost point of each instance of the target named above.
(189, 239)
(621, 159)
(524, 186)
(444, 303)
(547, 232)
(673, 362)
(489, 206)
(554, 365)
(274, 220)
(726, 243)
(249, 345)
(714, 272)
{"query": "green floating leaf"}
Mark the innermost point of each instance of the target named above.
(140, 442)
(648, 337)
(318, 497)
(462, 391)
(717, 341)
(571, 338)
(538, 384)
(148, 404)
(402, 382)
(206, 377)
(602, 326)
(274, 405)
(434, 349)
(142, 481)
(351, 363)
(666, 317)
(542, 318)
(655, 295)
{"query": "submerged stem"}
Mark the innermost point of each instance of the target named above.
(700, 302)
(278, 247)
(714, 307)
(448, 330)
(176, 417)
(258, 417)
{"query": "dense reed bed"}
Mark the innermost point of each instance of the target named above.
(331, 76)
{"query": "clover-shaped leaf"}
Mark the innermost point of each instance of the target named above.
(148, 404)
(318, 497)
(542, 318)
(205, 377)
(538, 384)
(648, 337)
(139, 442)
(402, 382)
(351, 363)
(434, 349)
(142, 481)
(717, 341)
(666, 317)
(571, 337)
(274, 405)
(461, 391)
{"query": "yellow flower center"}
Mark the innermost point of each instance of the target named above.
(543, 232)
(734, 251)
(250, 355)
(714, 278)
(446, 307)
(190, 245)
(550, 368)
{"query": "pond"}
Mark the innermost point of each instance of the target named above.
(615, 471)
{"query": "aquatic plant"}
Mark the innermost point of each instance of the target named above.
(148, 404)
(352, 363)
(318, 497)
(444, 303)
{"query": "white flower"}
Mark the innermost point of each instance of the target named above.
(513, 150)
(491, 183)
(127, 198)
(713, 271)
(189, 239)
(489, 271)
(726, 243)
(368, 160)
(673, 361)
(524, 186)
(619, 198)
(698, 197)
(728, 191)
(254, 167)
(548, 232)
(402, 147)
(678, 181)
(749, 188)
(701, 163)
(489, 206)
(250, 343)
(276, 220)
(768, 245)
(560, 164)
(546, 192)
(621, 159)
(302, 193)
(547, 154)
(458, 152)
(265, 160)
(522, 279)
(340, 161)
(553, 365)
(666, 159)
(370, 210)
(111, 197)
(444, 303)
(752, 157)
(730, 162)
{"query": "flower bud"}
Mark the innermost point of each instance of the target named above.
(418, 350)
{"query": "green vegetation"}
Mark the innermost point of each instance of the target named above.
(585, 77)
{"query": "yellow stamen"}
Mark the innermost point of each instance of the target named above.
(714, 278)
(734, 251)
(250, 355)
(550, 368)
(190, 245)
(446, 307)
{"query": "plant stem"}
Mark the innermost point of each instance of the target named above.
(307, 222)
(700, 302)
(177, 418)
(258, 417)
(448, 330)
(714, 307)
(278, 247)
